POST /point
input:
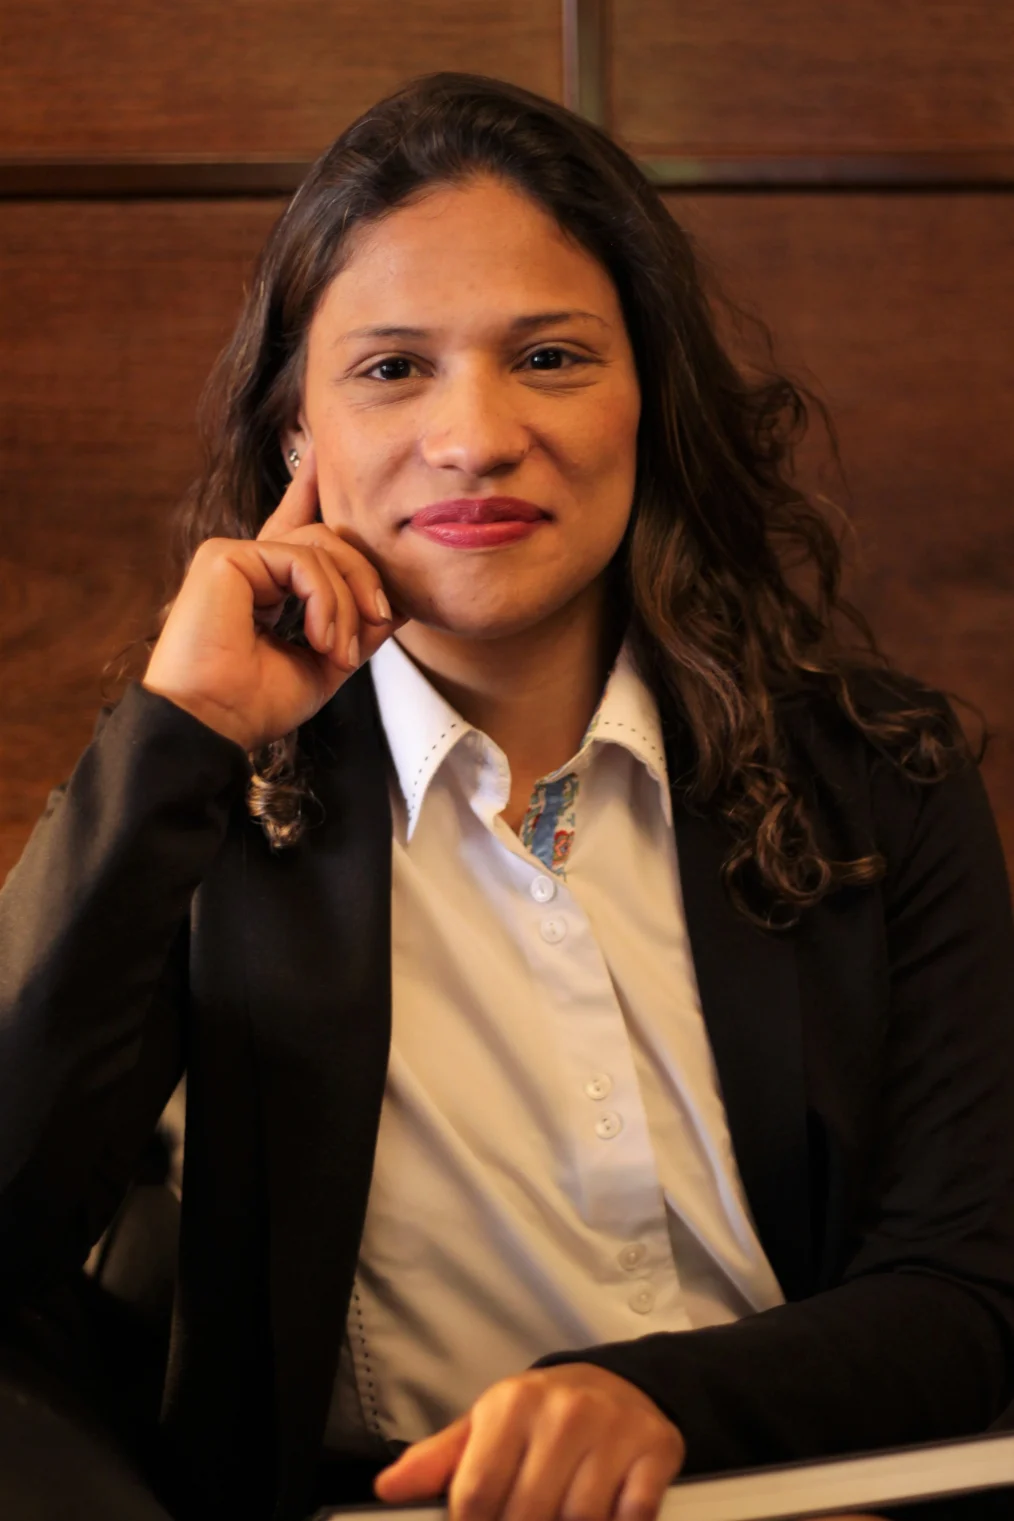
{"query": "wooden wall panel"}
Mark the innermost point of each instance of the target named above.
(111, 318)
(239, 78)
(900, 312)
(789, 75)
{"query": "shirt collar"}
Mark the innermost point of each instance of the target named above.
(422, 728)
(628, 715)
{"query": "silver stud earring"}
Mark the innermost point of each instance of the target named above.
(293, 458)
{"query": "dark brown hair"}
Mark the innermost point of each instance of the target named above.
(718, 627)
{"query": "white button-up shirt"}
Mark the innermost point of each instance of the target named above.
(553, 1164)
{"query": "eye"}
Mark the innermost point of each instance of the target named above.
(551, 354)
(388, 364)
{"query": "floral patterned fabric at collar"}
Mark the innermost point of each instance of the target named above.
(547, 829)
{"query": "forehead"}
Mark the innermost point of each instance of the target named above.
(481, 243)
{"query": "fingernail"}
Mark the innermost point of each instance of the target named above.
(329, 636)
(354, 650)
(384, 607)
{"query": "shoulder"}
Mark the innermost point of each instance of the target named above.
(865, 761)
(874, 693)
(884, 718)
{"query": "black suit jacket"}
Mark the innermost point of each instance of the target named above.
(866, 1061)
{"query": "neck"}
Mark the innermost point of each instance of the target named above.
(533, 693)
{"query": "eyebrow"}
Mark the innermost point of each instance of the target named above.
(523, 324)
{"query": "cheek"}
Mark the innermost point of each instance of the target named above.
(609, 466)
(355, 460)
(607, 441)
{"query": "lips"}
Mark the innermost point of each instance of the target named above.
(489, 509)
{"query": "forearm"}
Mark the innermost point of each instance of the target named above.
(885, 1360)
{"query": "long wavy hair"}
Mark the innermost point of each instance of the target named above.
(718, 525)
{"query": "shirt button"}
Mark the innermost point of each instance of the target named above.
(632, 1256)
(609, 1125)
(642, 1299)
(543, 889)
(552, 931)
(598, 1086)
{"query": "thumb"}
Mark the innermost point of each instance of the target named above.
(299, 504)
(427, 1467)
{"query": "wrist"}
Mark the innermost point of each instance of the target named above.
(213, 715)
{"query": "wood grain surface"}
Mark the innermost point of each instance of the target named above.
(790, 76)
(899, 312)
(240, 78)
(110, 320)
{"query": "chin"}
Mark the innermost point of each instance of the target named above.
(488, 618)
(482, 625)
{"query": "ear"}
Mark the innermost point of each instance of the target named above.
(296, 437)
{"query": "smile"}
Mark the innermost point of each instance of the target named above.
(478, 522)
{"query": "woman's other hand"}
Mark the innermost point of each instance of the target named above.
(548, 1443)
(217, 656)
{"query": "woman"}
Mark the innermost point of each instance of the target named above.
(591, 974)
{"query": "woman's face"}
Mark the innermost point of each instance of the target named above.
(470, 350)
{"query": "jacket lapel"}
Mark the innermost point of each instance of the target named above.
(320, 979)
(748, 984)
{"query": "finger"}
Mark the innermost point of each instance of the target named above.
(299, 504)
(357, 570)
(587, 1487)
(487, 1472)
(369, 636)
(426, 1467)
(333, 627)
(564, 1441)
(346, 635)
(309, 581)
(273, 571)
(370, 639)
(647, 1480)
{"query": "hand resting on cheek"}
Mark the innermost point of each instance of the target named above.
(217, 656)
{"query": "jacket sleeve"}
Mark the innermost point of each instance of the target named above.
(93, 974)
(914, 1341)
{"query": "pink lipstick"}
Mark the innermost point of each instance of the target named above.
(479, 522)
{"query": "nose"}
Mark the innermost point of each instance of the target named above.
(473, 426)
